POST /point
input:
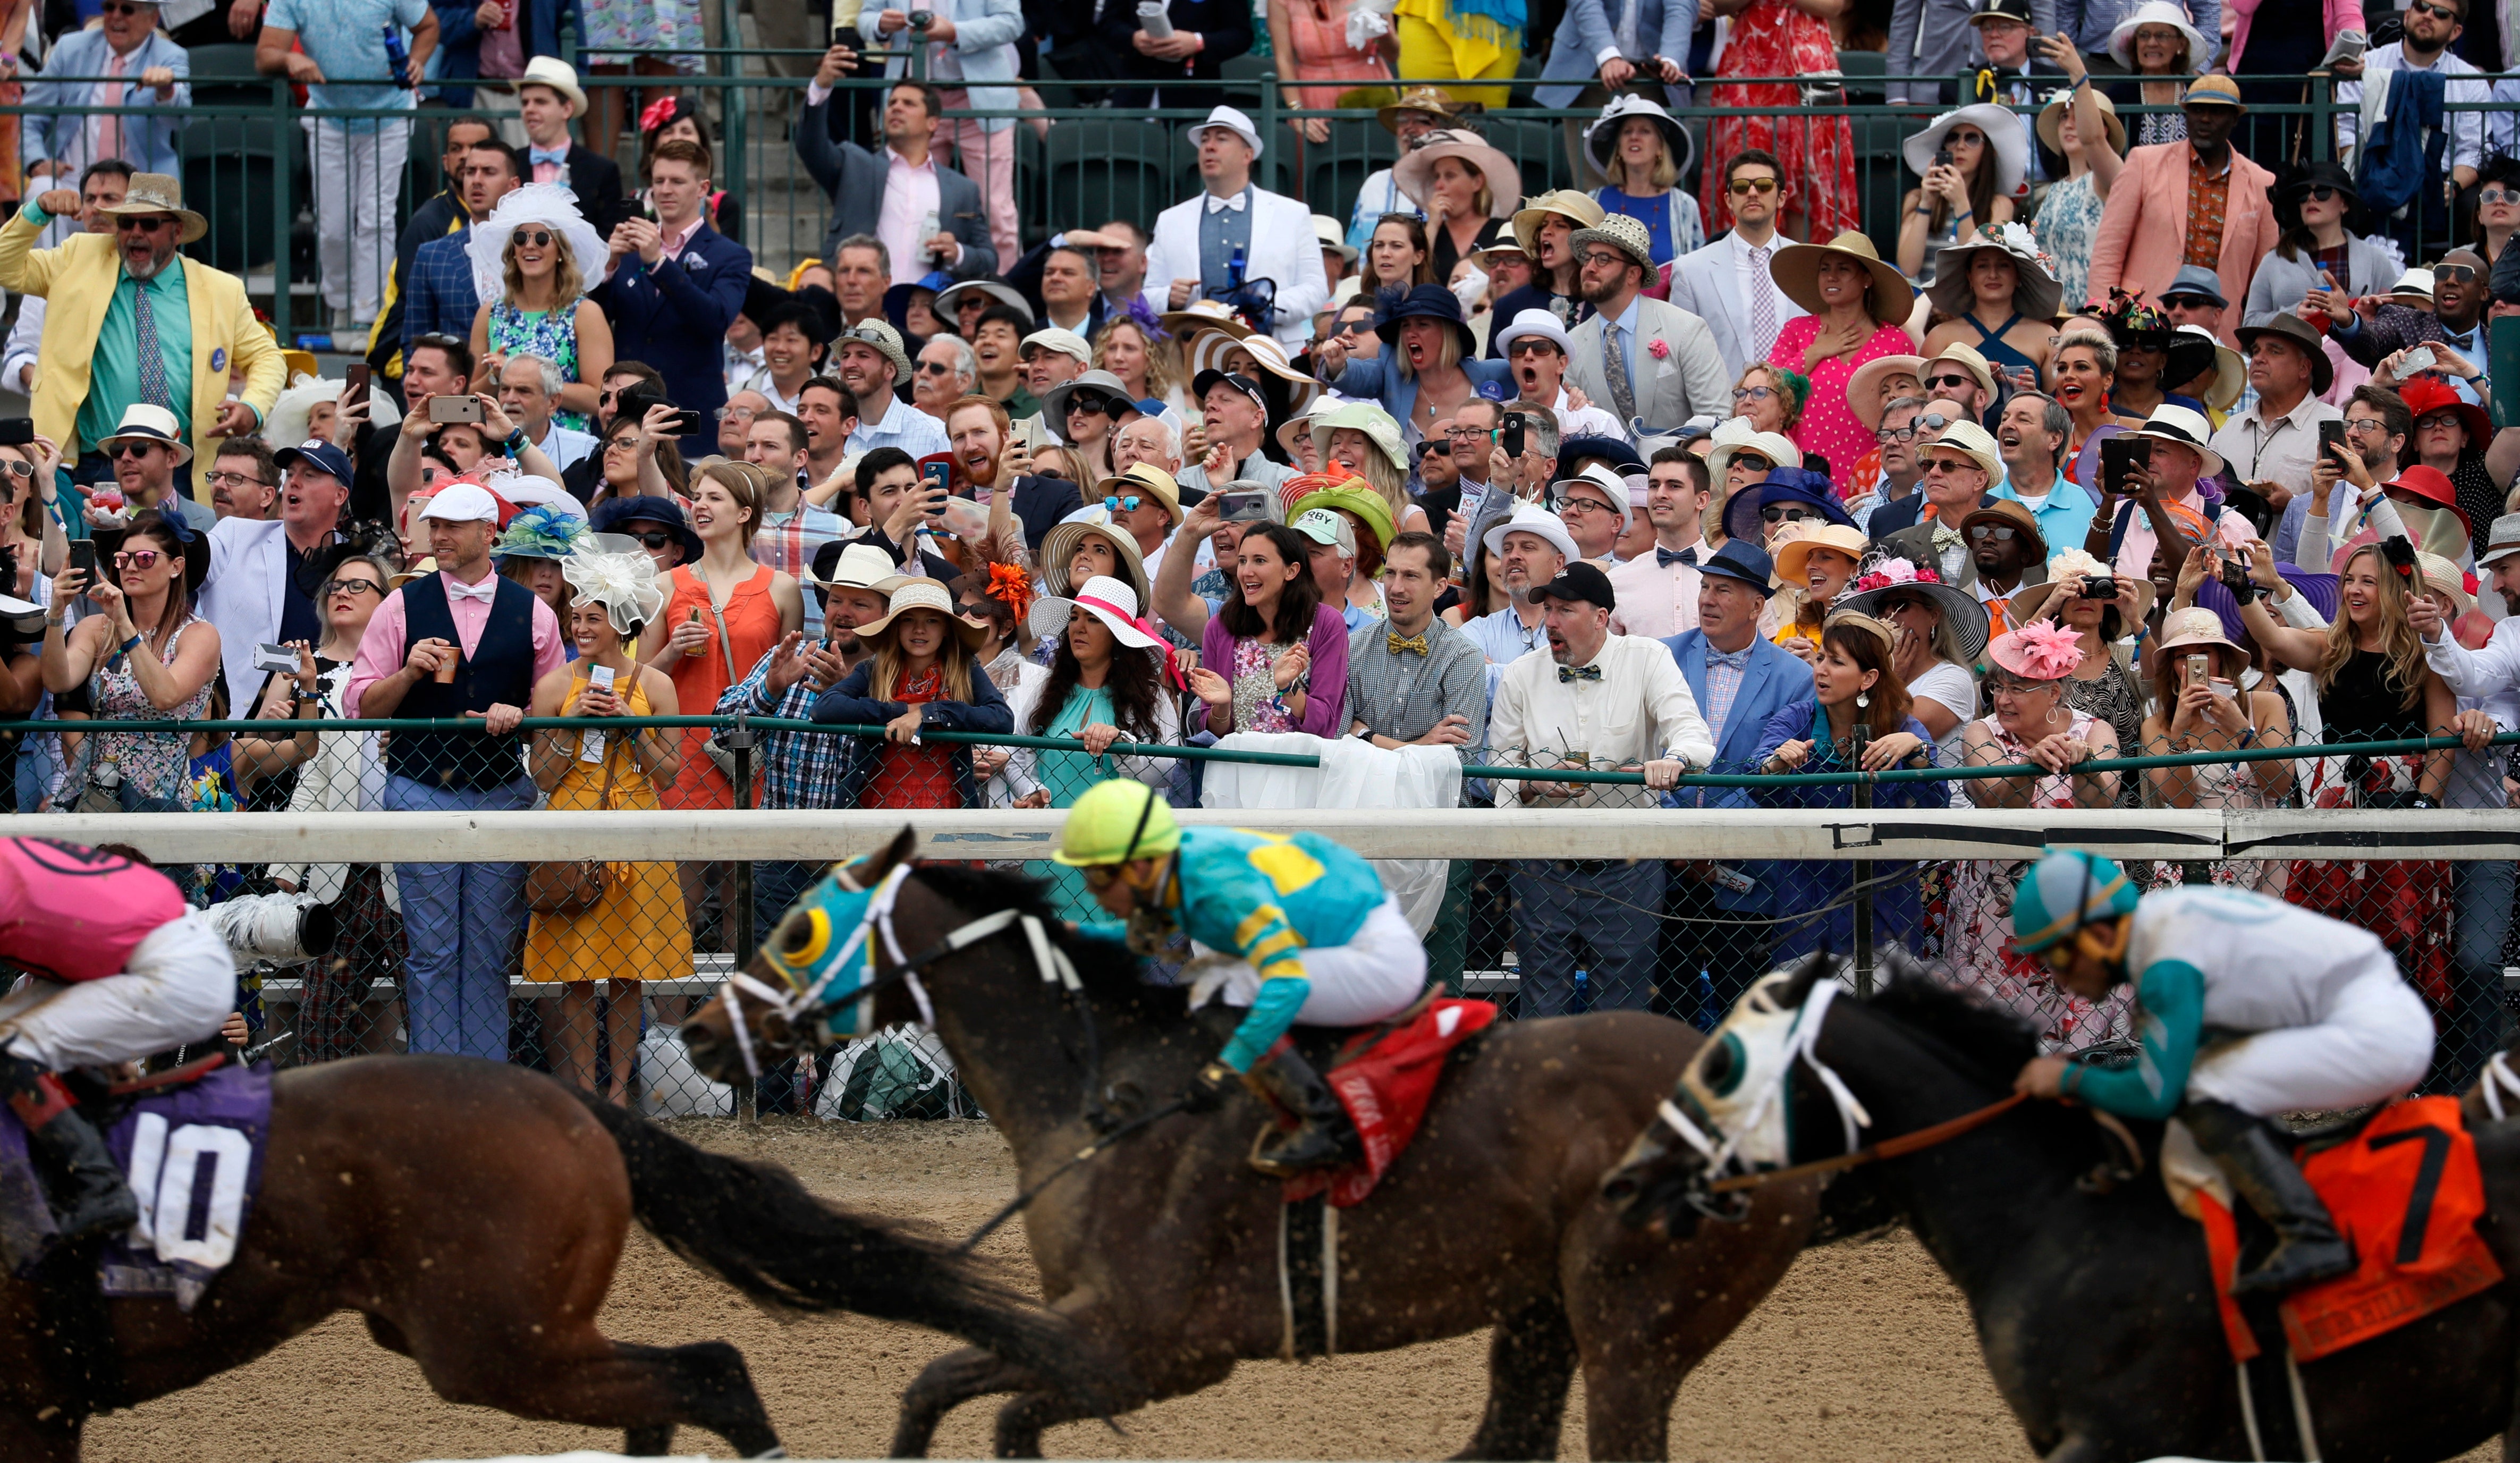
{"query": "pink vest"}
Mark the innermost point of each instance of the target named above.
(73, 913)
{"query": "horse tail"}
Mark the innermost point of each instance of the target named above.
(754, 1227)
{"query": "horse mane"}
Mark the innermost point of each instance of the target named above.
(1989, 1037)
(1108, 972)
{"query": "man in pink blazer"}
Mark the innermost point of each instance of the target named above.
(2143, 231)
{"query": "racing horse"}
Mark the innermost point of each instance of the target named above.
(1162, 1252)
(2093, 1302)
(473, 1213)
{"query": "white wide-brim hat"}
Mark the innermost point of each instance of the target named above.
(2200, 53)
(2002, 131)
(1115, 605)
(553, 207)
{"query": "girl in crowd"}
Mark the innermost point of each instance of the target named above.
(2202, 702)
(640, 460)
(533, 261)
(2497, 205)
(2000, 299)
(2156, 40)
(1468, 189)
(636, 929)
(920, 675)
(2079, 371)
(1939, 629)
(2031, 724)
(1273, 657)
(1814, 568)
(1859, 312)
(144, 656)
(531, 548)
(1640, 151)
(2104, 682)
(2318, 268)
(997, 596)
(2083, 126)
(1971, 162)
(1397, 256)
(1854, 681)
(1360, 439)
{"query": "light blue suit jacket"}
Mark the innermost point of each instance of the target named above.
(1775, 679)
(151, 123)
(1591, 26)
(1366, 380)
(984, 45)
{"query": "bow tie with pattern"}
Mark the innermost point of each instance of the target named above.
(1566, 673)
(1416, 643)
(1666, 558)
(1216, 204)
(1943, 538)
(1738, 660)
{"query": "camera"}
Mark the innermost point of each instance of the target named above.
(1247, 506)
(2099, 587)
(285, 928)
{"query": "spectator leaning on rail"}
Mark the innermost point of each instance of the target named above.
(148, 91)
(939, 220)
(920, 677)
(459, 641)
(1196, 242)
(1597, 701)
(119, 314)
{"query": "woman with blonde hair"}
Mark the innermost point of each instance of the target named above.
(1360, 439)
(1146, 362)
(634, 929)
(922, 675)
(534, 261)
(1468, 189)
(1639, 151)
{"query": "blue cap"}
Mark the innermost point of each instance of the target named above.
(319, 455)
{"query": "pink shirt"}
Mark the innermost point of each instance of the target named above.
(910, 195)
(380, 650)
(1654, 600)
(1830, 425)
(673, 244)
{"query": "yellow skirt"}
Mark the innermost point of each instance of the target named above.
(636, 932)
(1430, 46)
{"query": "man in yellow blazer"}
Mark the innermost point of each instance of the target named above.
(106, 297)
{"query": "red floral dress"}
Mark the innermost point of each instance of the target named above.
(1774, 38)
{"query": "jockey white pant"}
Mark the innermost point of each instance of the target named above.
(179, 989)
(2376, 1043)
(1376, 974)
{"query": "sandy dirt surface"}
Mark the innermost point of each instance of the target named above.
(1863, 1352)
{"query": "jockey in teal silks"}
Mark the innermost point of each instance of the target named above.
(1318, 941)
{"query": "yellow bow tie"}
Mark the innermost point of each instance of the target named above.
(1417, 643)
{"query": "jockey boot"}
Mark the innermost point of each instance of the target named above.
(1324, 1137)
(97, 1201)
(2308, 1248)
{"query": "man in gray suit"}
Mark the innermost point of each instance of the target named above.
(1727, 283)
(856, 180)
(1645, 360)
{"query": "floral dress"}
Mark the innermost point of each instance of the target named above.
(1976, 934)
(1776, 39)
(548, 334)
(155, 767)
(1258, 705)
(644, 26)
(2068, 220)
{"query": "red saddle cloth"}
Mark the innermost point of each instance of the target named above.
(2407, 1193)
(1385, 1082)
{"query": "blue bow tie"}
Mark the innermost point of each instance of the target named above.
(1738, 660)
(552, 155)
(1666, 558)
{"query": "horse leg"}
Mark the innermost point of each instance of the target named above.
(945, 1384)
(1024, 1417)
(1531, 1359)
(576, 1374)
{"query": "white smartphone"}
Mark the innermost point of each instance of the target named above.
(590, 743)
(2420, 359)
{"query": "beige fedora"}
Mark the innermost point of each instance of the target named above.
(156, 193)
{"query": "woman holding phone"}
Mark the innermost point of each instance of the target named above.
(2203, 702)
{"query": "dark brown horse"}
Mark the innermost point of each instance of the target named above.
(473, 1213)
(1162, 1252)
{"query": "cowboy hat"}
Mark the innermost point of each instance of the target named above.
(1795, 269)
(144, 422)
(1575, 207)
(1207, 351)
(156, 193)
(1415, 172)
(1377, 425)
(549, 206)
(2002, 131)
(928, 593)
(2292, 328)
(2051, 120)
(2200, 52)
(1059, 550)
(560, 77)
(2014, 515)
(2231, 372)
(1793, 559)
(2036, 293)
(1865, 393)
(2183, 428)
(1433, 100)
(855, 566)
(1602, 134)
(1148, 480)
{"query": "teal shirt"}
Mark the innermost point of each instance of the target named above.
(2172, 999)
(113, 367)
(1268, 898)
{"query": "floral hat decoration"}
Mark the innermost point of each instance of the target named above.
(2039, 651)
(624, 584)
(541, 531)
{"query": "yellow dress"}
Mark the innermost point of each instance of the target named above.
(637, 931)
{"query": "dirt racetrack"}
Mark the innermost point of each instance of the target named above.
(1865, 1351)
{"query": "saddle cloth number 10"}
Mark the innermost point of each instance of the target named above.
(166, 1170)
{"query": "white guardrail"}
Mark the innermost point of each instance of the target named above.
(1380, 833)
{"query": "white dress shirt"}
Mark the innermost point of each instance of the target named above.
(2487, 680)
(2283, 450)
(1640, 711)
(2464, 88)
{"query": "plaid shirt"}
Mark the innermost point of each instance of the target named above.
(438, 297)
(786, 542)
(798, 768)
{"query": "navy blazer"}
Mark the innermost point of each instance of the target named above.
(673, 317)
(1040, 502)
(855, 179)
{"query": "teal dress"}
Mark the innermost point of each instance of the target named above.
(1066, 775)
(548, 334)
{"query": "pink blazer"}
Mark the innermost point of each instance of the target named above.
(2143, 229)
(2334, 15)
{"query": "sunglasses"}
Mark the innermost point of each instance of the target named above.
(2456, 274)
(1742, 187)
(1954, 382)
(1949, 464)
(2322, 193)
(533, 238)
(332, 587)
(1780, 513)
(2489, 194)
(145, 224)
(2437, 11)
(1998, 532)
(1128, 505)
(934, 368)
(1091, 406)
(134, 449)
(1933, 421)
(656, 540)
(136, 558)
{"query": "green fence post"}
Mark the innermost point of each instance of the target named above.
(283, 212)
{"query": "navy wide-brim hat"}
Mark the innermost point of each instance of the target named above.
(1795, 485)
(1431, 303)
(612, 512)
(1615, 451)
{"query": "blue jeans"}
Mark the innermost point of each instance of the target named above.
(2477, 1021)
(1613, 906)
(462, 921)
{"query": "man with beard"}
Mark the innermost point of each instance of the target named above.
(117, 318)
(1640, 358)
(2005, 553)
(978, 428)
(872, 366)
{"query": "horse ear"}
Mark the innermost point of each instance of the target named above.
(904, 845)
(1798, 988)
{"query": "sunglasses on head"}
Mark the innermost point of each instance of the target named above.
(1932, 421)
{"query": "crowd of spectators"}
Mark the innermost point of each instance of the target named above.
(2123, 440)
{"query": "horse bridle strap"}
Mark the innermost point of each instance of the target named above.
(1897, 1147)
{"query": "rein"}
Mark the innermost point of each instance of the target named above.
(1897, 1147)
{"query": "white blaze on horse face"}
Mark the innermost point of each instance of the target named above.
(1739, 1077)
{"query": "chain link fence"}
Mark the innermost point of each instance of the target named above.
(583, 966)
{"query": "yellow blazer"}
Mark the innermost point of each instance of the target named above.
(77, 280)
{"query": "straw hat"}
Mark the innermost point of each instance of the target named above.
(2231, 372)
(146, 421)
(1538, 521)
(1575, 207)
(928, 593)
(2194, 626)
(1059, 550)
(156, 193)
(2003, 132)
(2443, 577)
(1415, 172)
(1898, 578)
(1867, 394)
(1793, 559)
(2182, 427)
(1969, 359)
(2052, 119)
(1433, 100)
(1795, 268)
(1207, 350)
(1147, 481)
(1971, 441)
(560, 77)
(1202, 314)
(857, 566)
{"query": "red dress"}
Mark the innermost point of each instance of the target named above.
(1774, 38)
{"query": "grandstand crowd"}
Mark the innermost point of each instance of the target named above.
(2153, 412)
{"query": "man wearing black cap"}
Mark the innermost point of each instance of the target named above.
(2004, 29)
(1606, 702)
(1237, 414)
(1739, 678)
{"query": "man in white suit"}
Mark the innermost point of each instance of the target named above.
(1727, 283)
(1196, 242)
(258, 565)
(1653, 365)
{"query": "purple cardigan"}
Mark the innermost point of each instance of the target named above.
(1325, 700)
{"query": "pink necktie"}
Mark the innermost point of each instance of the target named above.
(108, 132)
